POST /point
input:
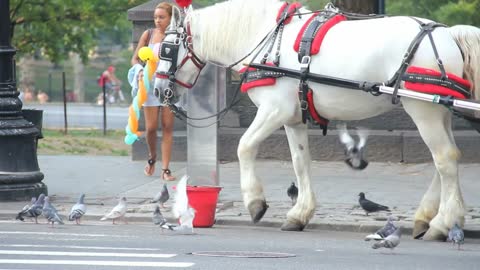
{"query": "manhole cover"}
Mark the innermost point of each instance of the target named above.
(243, 254)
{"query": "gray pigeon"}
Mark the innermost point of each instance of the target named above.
(370, 206)
(162, 196)
(118, 211)
(50, 213)
(456, 235)
(383, 232)
(390, 241)
(354, 151)
(24, 211)
(36, 209)
(292, 192)
(159, 219)
(78, 210)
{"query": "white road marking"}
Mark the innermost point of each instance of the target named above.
(92, 254)
(80, 247)
(319, 250)
(66, 234)
(102, 263)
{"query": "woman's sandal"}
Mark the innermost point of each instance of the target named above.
(167, 175)
(150, 167)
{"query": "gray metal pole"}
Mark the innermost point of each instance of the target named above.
(20, 176)
(204, 99)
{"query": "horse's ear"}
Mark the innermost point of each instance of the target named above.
(176, 19)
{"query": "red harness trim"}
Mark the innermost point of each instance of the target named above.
(292, 8)
(256, 83)
(311, 109)
(322, 32)
(432, 88)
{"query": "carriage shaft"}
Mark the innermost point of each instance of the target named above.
(450, 101)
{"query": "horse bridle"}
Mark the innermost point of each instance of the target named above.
(169, 52)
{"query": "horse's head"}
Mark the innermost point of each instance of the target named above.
(178, 67)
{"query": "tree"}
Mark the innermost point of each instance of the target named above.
(58, 27)
(357, 6)
(450, 12)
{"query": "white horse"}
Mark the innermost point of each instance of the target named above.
(364, 50)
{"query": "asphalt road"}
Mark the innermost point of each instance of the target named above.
(143, 246)
(81, 115)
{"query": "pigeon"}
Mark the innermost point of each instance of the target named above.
(370, 206)
(36, 209)
(456, 235)
(181, 209)
(390, 241)
(24, 211)
(159, 219)
(354, 151)
(78, 210)
(50, 213)
(118, 211)
(383, 232)
(292, 192)
(162, 196)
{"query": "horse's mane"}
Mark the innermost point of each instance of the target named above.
(233, 28)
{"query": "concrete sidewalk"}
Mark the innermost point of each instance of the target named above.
(400, 186)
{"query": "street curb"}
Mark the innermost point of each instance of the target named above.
(339, 227)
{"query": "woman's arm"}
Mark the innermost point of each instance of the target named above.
(141, 43)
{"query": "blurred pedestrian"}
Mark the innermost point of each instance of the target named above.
(112, 85)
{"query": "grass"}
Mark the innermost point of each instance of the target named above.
(83, 142)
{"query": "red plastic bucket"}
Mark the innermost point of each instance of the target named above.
(204, 200)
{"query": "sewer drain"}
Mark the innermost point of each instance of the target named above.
(243, 254)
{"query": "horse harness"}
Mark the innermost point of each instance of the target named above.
(308, 43)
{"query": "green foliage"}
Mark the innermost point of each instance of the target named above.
(314, 4)
(58, 27)
(450, 12)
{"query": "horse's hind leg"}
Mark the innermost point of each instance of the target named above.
(299, 216)
(267, 120)
(443, 204)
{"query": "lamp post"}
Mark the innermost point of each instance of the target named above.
(20, 176)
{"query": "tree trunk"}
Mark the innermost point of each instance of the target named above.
(357, 6)
(79, 78)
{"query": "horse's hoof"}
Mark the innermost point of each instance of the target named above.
(434, 235)
(292, 226)
(257, 209)
(419, 229)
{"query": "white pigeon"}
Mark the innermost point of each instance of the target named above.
(181, 209)
(118, 211)
(354, 151)
(78, 210)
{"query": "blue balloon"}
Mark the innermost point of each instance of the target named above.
(130, 139)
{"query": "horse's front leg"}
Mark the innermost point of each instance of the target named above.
(267, 120)
(301, 213)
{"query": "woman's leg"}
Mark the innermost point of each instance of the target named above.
(167, 140)
(151, 126)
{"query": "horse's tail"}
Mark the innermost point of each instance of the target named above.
(468, 40)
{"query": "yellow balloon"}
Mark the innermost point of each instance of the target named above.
(145, 54)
